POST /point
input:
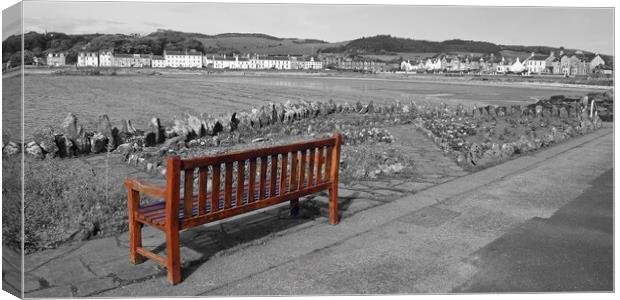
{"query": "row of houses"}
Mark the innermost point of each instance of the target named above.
(194, 59)
(563, 64)
(347, 63)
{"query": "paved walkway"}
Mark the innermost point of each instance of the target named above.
(428, 241)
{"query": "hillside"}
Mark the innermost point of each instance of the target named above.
(390, 48)
(382, 47)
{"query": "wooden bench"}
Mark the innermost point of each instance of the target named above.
(285, 173)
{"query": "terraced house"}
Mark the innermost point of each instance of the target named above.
(131, 60)
(183, 59)
(56, 59)
(88, 59)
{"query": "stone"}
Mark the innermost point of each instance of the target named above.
(563, 113)
(555, 111)
(195, 126)
(123, 148)
(65, 146)
(584, 101)
(507, 150)
(98, 143)
(150, 139)
(476, 113)
(45, 137)
(11, 148)
(155, 127)
(128, 127)
(234, 122)
(82, 143)
(539, 111)
(492, 111)
(180, 128)
(34, 150)
(173, 143)
(70, 127)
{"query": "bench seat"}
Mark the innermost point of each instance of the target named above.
(154, 213)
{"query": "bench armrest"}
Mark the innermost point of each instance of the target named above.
(145, 188)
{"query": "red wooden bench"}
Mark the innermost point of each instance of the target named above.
(295, 170)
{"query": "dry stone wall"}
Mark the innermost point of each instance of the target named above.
(474, 136)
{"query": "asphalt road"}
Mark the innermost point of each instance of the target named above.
(570, 251)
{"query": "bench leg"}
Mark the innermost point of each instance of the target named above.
(333, 205)
(174, 256)
(294, 207)
(135, 241)
(135, 228)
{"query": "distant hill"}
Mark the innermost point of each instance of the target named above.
(388, 46)
(382, 47)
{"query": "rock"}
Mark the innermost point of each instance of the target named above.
(105, 127)
(124, 148)
(507, 150)
(34, 150)
(501, 111)
(65, 146)
(234, 122)
(584, 101)
(195, 124)
(128, 127)
(82, 142)
(45, 138)
(539, 111)
(173, 143)
(150, 139)
(11, 148)
(492, 111)
(476, 113)
(180, 128)
(264, 117)
(98, 143)
(260, 139)
(156, 128)
(554, 111)
(406, 109)
(70, 127)
(563, 113)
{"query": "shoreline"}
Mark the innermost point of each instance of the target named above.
(467, 80)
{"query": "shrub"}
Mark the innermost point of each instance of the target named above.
(68, 199)
(11, 201)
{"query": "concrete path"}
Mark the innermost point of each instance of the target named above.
(430, 241)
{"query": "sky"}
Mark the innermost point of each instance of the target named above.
(588, 29)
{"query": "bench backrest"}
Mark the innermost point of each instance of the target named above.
(252, 179)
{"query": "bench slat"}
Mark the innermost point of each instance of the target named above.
(228, 182)
(283, 173)
(252, 180)
(294, 174)
(302, 169)
(263, 178)
(311, 155)
(240, 181)
(319, 164)
(215, 187)
(274, 175)
(189, 182)
(202, 191)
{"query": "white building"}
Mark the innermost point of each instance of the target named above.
(158, 61)
(536, 63)
(88, 59)
(105, 58)
(517, 66)
(183, 59)
(433, 64)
